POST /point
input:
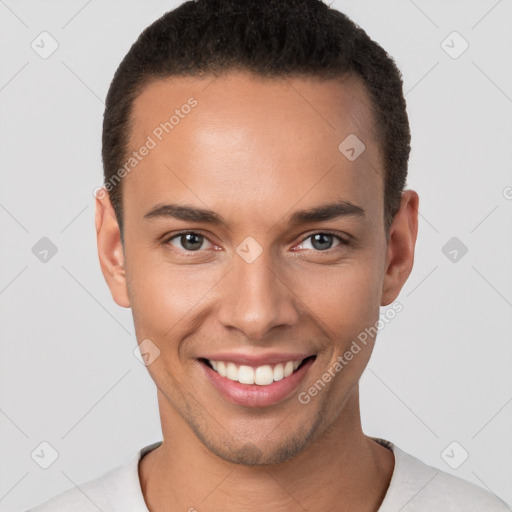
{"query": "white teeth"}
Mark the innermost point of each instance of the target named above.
(245, 375)
(288, 369)
(221, 368)
(278, 371)
(232, 371)
(262, 375)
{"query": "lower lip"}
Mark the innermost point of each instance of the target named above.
(253, 395)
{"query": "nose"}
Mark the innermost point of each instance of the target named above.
(255, 299)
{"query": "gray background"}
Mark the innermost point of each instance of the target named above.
(441, 369)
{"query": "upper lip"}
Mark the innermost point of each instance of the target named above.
(257, 360)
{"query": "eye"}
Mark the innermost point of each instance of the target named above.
(189, 241)
(323, 241)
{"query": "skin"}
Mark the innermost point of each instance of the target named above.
(255, 151)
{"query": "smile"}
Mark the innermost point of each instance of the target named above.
(260, 375)
(256, 386)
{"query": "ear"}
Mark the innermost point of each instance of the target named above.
(401, 243)
(110, 249)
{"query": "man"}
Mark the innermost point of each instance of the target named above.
(254, 219)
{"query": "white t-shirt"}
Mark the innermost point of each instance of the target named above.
(414, 487)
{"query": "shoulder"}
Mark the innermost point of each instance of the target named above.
(86, 497)
(116, 490)
(416, 486)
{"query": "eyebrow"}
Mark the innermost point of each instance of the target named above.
(316, 214)
(189, 213)
(327, 212)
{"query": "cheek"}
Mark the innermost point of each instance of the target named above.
(344, 299)
(162, 294)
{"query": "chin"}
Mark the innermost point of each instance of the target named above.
(262, 451)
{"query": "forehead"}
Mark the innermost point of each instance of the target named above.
(237, 139)
(333, 106)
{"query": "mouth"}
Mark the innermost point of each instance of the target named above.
(256, 385)
(263, 375)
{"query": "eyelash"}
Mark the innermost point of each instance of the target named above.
(343, 241)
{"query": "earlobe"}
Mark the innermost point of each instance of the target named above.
(110, 250)
(401, 244)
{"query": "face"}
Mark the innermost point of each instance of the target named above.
(252, 242)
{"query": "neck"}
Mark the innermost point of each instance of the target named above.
(341, 470)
